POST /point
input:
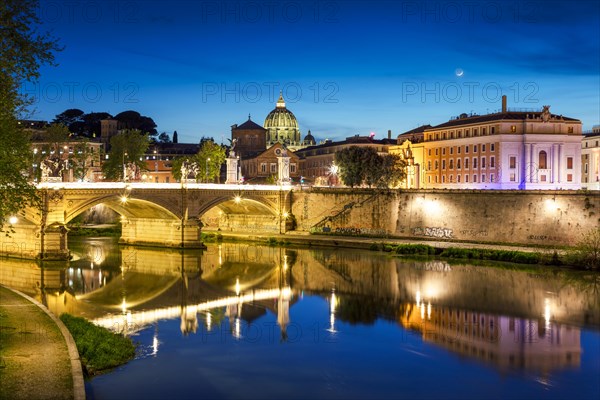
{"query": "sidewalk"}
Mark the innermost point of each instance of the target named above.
(358, 242)
(36, 359)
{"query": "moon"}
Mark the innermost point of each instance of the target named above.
(459, 72)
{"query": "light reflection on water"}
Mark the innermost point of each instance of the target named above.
(325, 323)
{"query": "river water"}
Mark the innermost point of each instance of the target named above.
(247, 321)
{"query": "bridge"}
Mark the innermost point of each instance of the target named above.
(165, 214)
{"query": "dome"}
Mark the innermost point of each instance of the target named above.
(281, 125)
(309, 140)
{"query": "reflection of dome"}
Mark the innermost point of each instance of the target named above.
(309, 140)
(282, 126)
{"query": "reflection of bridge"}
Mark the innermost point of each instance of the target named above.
(151, 214)
(130, 321)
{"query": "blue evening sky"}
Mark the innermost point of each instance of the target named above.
(345, 67)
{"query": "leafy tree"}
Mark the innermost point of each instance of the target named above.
(128, 147)
(134, 120)
(69, 117)
(164, 138)
(23, 49)
(91, 124)
(175, 138)
(210, 158)
(363, 165)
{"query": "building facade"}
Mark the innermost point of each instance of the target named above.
(504, 150)
(590, 160)
(250, 138)
(263, 167)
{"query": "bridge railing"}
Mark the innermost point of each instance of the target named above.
(147, 185)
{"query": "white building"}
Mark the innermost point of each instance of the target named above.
(590, 160)
(504, 150)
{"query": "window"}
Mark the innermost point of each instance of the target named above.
(483, 131)
(466, 163)
(466, 149)
(492, 178)
(443, 178)
(512, 162)
(482, 162)
(458, 163)
(436, 164)
(429, 152)
(492, 147)
(492, 162)
(542, 157)
(474, 163)
(569, 162)
(457, 178)
(437, 136)
(263, 167)
(482, 178)
(475, 132)
(444, 135)
(436, 152)
(513, 177)
(451, 150)
(293, 168)
(444, 151)
(429, 179)
(467, 134)
(474, 148)
(458, 150)
(451, 164)
(436, 179)
(493, 130)
(467, 178)
(474, 178)
(569, 177)
(483, 147)
(273, 167)
(513, 128)
(450, 178)
(585, 168)
(443, 164)
(429, 165)
(570, 129)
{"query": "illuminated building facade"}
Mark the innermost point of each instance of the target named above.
(504, 150)
(590, 160)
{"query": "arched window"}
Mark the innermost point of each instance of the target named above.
(542, 162)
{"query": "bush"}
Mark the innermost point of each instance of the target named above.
(99, 348)
(421, 249)
(586, 253)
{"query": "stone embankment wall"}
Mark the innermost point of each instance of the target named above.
(524, 217)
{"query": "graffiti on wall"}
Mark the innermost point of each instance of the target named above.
(441, 233)
(349, 231)
(474, 232)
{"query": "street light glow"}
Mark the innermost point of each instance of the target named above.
(13, 220)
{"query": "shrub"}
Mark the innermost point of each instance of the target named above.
(99, 348)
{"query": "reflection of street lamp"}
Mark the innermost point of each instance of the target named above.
(207, 160)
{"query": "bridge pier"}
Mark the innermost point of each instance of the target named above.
(32, 241)
(161, 232)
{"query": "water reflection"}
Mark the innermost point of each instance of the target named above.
(506, 318)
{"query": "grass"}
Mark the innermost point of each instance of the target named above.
(517, 257)
(211, 237)
(79, 231)
(99, 348)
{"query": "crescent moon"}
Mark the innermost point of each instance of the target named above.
(459, 72)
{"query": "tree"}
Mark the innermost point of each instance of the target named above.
(175, 138)
(128, 147)
(164, 138)
(363, 165)
(69, 117)
(210, 157)
(23, 49)
(134, 120)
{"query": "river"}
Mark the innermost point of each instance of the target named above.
(239, 320)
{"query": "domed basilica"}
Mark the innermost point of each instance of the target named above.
(282, 127)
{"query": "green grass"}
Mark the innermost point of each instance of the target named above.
(78, 231)
(99, 348)
(211, 237)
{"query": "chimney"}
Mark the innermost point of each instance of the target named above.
(504, 103)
